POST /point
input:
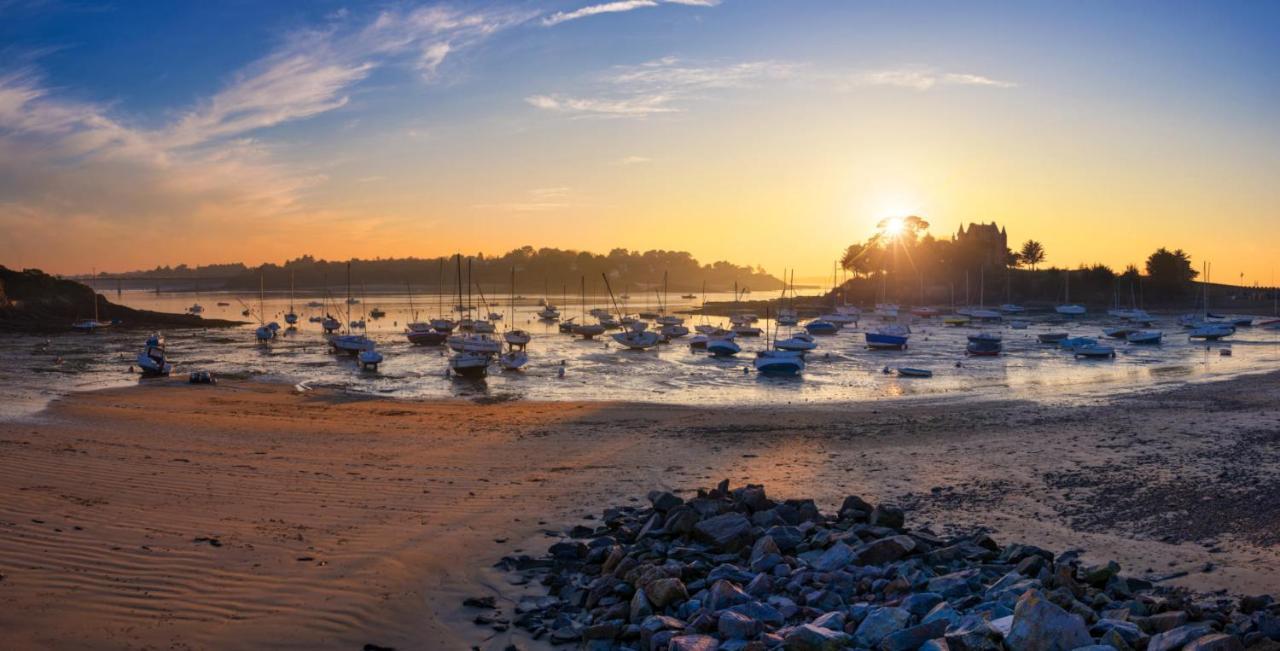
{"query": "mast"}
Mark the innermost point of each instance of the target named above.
(458, 259)
(290, 291)
(469, 287)
(584, 300)
(512, 315)
(262, 315)
(347, 325)
(440, 291)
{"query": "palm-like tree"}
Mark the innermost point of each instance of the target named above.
(1032, 253)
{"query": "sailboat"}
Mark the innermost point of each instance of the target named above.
(787, 314)
(1205, 328)
(90, 325)
(778, 362)
(584, 329)
(1068, 308)
(349, 342)
(421, 333)
(741, 321)
(515, 336)
(291, 317)
(548, 311)
(151, 361)
(475, 343)
(264, 332)
(637, 336)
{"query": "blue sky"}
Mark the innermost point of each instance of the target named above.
(268, 129)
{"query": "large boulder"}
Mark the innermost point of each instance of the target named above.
(1176, 638)
(1215, 642)
(667, 591)
(834, 558)
(1041, 625)
(885, 550)
(728, 532)
(814, 638)
(879, 624)
(693, 643)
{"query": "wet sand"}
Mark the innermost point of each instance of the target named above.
(248, 515)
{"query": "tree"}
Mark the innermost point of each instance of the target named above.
(1170, 272)
(1032, 253)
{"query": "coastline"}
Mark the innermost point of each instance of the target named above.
(398, 506)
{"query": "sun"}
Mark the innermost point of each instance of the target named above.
(894, 226)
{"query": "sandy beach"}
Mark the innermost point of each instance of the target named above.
(248, 514)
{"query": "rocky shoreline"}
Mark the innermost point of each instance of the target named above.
(731, 570)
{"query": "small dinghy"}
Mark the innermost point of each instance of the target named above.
(369, 358)
(1051, 337)
(1121, 332)
(1145, 337)
(513, 360)
(1096, 351)
(517, 337)
(1072, 343)
(675, 331)
(906, 371)
(985, 344)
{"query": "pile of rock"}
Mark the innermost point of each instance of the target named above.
(735, 570)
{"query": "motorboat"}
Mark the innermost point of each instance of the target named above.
(723, 347)
(638, 339)
(906, 371)
(474, 343)
(518, 338)
(469, 365)
(779, 362)
(821, 327)
(1120, 332)
(609, 322)
(1144, 337)
(422, 334)
(889, 337)
(984, 344)
(673, 331)
(151, 360)
(587, 330)
(801, 342)
(1212, 331)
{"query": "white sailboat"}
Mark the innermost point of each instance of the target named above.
(291, 317)
(583, 329)
(1068, 308)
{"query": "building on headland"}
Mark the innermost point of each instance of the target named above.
(984, 244)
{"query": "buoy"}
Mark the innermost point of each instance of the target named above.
(561, 373)
(745, 370)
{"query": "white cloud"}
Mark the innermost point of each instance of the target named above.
(665, 85)
(635, 106)
(618, 6)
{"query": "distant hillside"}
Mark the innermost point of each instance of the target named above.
(33, 300)
(535, 269)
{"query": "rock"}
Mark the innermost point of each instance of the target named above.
(665, 592)
(909, 639)
(727, 532)
(1162, 622)
(693, 643)
(1178, 637)
(888, 515)
(1215, 642)
(664, 501)
(834, 558)
(724, 594)
(973, 633)
(833, 620)
(1100, 575)
(736, 626)
(885, 550)
(681, 521)
(920, 603)
(480, 602)
(640, 607)
(1040, 625)
(879, 624)
(855, 508)
(1128, 632)
(808, 637)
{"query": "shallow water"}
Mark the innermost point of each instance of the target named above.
(38, 369)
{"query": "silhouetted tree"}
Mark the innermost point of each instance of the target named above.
(1032, 253)
(1170, 272)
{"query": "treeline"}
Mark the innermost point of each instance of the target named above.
(903, 263)
(537, 270)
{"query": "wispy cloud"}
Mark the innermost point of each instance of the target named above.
(669, 84)
(86, 163)
(633, 160)
(915, 79)
(539, 200)
(618, 6)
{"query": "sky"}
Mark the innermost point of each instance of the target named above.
(136, 134)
